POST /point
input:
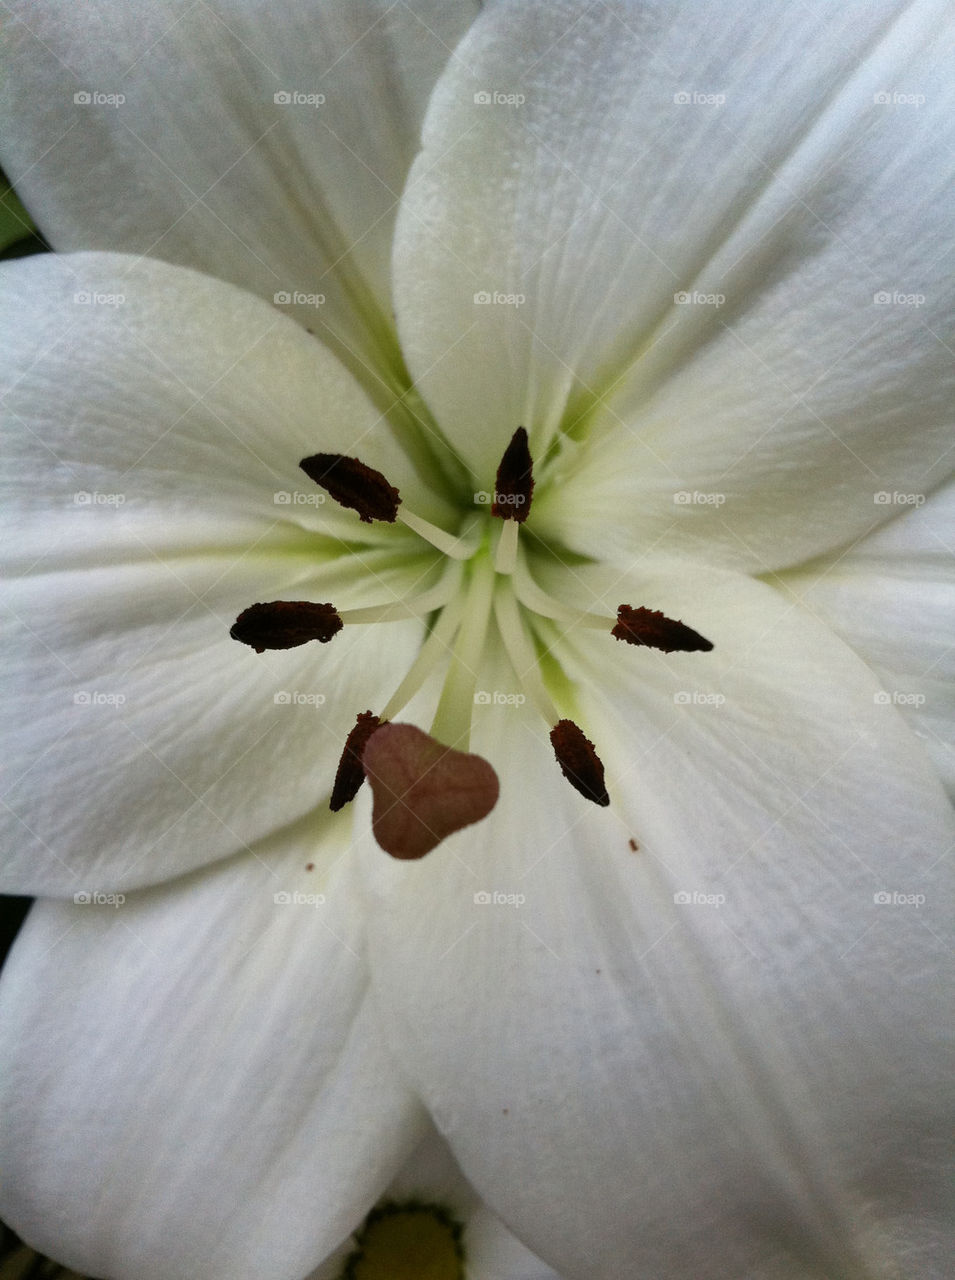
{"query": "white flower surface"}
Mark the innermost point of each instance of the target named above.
(696, 251)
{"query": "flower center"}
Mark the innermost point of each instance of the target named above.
(426, 786)
(407, 1242)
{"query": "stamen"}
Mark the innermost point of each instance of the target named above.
(436, 646)
(651, 628)
(285, 624)
(435, 597)
(641, 626)
(505, 555)
(423, 791)
(520, 652)
(514, 485)
(579, 762)
(456, 547)
(350, 774)
(363, 489)
(354, 485)
(539, 601)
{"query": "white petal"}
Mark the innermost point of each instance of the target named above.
(748, 1083)
(172, 409)
(200, 165)
(195, 1084)
(892, 597)
(600, 198)
(145, 741)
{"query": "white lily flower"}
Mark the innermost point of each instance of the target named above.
(694, 1031)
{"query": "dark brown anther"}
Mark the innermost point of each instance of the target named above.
(285, 624)
(579, 762)
(354, 485)
(350, 773)
(514, 484)
(651, 628)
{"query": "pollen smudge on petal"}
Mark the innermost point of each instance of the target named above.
(514, 485)
(652, 628)
(285, 624)
(354, 485)
(350, 774)
(423, 790)
(579, 762)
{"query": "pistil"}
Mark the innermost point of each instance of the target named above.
(452, 720)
